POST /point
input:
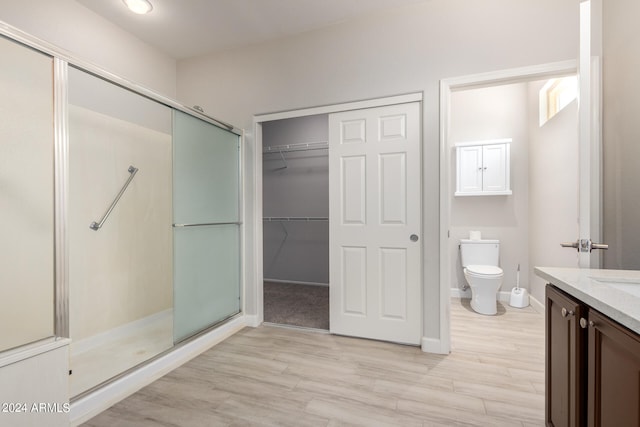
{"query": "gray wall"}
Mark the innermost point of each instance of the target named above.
(621, 128)
(405, 50)
(296, 251)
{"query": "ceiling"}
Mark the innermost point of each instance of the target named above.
(187, 28)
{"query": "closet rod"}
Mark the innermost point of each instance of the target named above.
(305, 146)
(294, 218)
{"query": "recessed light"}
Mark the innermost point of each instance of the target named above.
(139, 6)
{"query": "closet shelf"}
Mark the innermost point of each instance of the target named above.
(305, 146)
(294, 218)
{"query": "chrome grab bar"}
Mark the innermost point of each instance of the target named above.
(199, 224)
(97, 225)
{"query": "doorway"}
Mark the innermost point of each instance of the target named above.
(295, 201)
(520, 221)
(403, 308)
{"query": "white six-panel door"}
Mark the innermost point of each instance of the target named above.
(374, 214)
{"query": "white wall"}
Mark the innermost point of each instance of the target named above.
(553, 189)
(88, 36)
(621, 128)
(406, 50)
(493, 113)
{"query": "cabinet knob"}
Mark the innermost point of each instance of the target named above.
(584, 323)
(566, 312)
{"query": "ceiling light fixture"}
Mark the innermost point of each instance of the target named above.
(139, 6)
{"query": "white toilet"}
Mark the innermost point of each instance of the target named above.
(480, 262)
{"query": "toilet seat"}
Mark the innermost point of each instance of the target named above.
(486, 271)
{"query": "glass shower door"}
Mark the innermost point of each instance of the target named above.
(26, 196)
(120, 240)
(206, 208)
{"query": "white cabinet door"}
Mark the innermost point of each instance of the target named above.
(482, 168)
(494, 167)
(470, 169)
(374, 212)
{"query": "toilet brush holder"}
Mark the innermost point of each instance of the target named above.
(519, 298)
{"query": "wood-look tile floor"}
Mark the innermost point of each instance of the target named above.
(271, 376)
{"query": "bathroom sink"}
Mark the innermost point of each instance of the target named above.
(628, 285)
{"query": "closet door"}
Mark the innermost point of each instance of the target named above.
(374, 217)
(206, 212)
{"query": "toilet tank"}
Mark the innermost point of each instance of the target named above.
(479, 252)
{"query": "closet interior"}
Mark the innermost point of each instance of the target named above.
(295, 180)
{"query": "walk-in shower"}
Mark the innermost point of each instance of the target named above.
(120, 220)
(160, 261)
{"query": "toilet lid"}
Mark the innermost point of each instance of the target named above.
(484, 270)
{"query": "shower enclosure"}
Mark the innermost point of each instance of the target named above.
(121, 216)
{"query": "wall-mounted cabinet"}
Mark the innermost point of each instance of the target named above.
(482, 168)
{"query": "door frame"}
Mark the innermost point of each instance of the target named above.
(258, 119)
(447, 86)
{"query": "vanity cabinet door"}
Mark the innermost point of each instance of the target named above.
(614, 374)
(565, 360)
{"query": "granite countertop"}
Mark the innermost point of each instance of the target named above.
(614, 293)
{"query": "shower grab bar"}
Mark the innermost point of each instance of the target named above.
(97, 225)
(206, 223)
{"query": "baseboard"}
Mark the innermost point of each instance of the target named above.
(252, 320)
(503, 296)
(459, 293)
(537, 305)
(432, 345)
(296, 282)
(91, 405)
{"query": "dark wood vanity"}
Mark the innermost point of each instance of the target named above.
(592, 366)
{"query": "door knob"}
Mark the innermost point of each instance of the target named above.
(584, 245)
(569, 245)
(414, 238)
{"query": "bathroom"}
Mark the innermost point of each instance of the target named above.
(543, 173)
